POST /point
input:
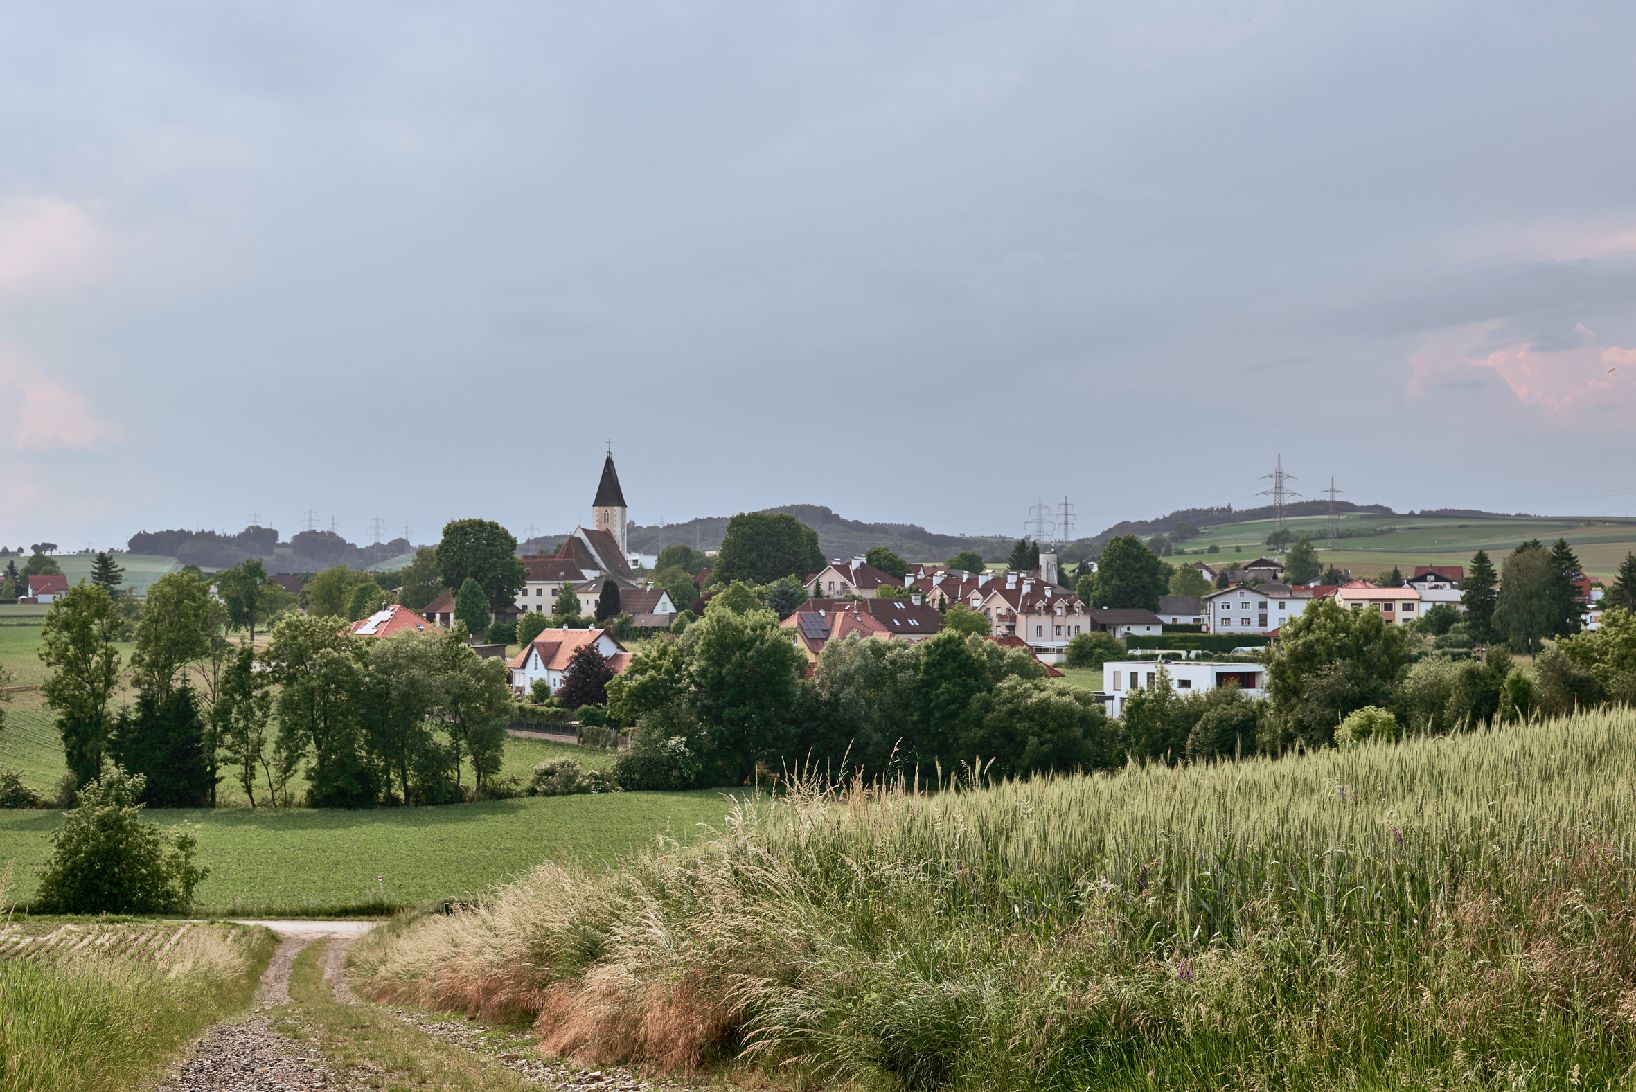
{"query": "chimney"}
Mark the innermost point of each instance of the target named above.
(915, 599)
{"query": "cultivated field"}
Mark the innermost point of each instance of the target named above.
(1376, 543)
(141, 570)
(1452, 913)
(95, 1007)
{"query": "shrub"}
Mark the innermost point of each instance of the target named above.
(106, 860)
(530, 626)
(1361, 725)
(566, 777)
(503, 633)
(1519, 698)
(602, 737)
(1094, 649)
(1204, 642)
(539, 692)
(657, 765)
(15, 794)
(593, 716)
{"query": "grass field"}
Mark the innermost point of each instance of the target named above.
(141, 570)
(1451, 913)
(96, 1007)
(1407, 541)
(302, 861)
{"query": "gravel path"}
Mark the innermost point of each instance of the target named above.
(248, 1055)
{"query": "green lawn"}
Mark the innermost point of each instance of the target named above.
(300, 861)
(1407, 541)
(140, 569)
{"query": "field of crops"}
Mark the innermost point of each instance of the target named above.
(1373, 544)
(96, 1007)
(1452, 913)
(141, 570)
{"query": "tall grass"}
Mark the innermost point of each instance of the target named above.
(89, 1008)
(1441, 914)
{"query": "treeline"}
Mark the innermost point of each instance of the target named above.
(306, 551)
(362, 721)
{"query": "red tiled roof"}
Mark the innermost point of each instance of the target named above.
(557, 646)
(552, 569)
(1454, 573)
(47, 584)
(392, 620)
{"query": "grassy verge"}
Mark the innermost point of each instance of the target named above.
(1453, 913)
(361, 1039)
(90, 1007)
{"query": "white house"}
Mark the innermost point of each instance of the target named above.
(1123, 622)
(1121, 677)
(548, 656)
(1438, 584)
(47, 587)
(1260, 608)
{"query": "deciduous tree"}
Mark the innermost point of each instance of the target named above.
(887, 562)
(1329, 661)
(1527, 608)
(77, 644)
(484, 551)
(178, 620)
(966, 561)
(422, 580)
(1301, 564)
(1129, 575)
(760, 547)
(585, 681)
(471, 607)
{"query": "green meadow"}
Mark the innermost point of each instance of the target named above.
(141, 570)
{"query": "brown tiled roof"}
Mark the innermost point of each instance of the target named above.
(1455, 573)
(443, 604)
(634, 601)
(898, 615)
(1123, 616)
(1180, 604)
(861, 574)
(596, 550)
(552, 569)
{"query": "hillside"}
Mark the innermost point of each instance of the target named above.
(837, 536)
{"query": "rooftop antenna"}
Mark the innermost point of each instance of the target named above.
(1332, 493)
(1280, 491)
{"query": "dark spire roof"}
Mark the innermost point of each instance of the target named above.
(608, 493)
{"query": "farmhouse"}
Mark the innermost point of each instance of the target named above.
(548, 656)
(46, 587)
(1121, 677)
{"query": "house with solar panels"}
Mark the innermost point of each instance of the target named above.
(902, 618)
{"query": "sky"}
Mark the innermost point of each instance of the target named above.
(922, 262)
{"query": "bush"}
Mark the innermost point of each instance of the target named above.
(508, 787)
(566, 777)
(657, 765)
(106, 860)
(539, 692)
(15, 794)
(602, 737)
(1204, 642)
(526, 714)
(1361, 725)
(530, 626)
(1094, 649)
(503, 633)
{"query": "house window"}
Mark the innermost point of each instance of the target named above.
(1282, 604)
(1408, 607)
(1243, 621)
(1184, 684)
(1059, 631)
(1039, 631)
(1118, 680)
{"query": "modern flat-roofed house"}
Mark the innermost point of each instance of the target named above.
(1396, 606)
(839, 579)
(1254, 608)
(548, 656)
(1438, 584)
(1120, 678)
(46, 587)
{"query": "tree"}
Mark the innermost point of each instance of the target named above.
(1565, 572)
(760, 547)
(736, 597)
(174, 631)
(607, 602)
(484, 551)
(1439, 619)
(565, 609)
(471, 606)
(1129, 575)
(106, 572)
(1185, 580)
(473, 708)
(1022, 728)
(1623, 592)
(1479, 596)
(163, 741)
(678, 584)
(1526, 609)
(585, 681)
(38, 564)
(1392, 578)
(965, 621)
(784, 596)
(685, 558)
(1025, 556)
(742, 675)
(530, 626)
(319, 670)
(1226, 723)
(400, 690)
(1092, 650)
(13, 584)
(106, 860)
(1333, 577)
(422, 580)
(77, 643)
(1301, 564)
(247, 592)
(1280, 538)
(966, 561)
(333, 591)
(887, 562)
(241, 716)
(1329, 661)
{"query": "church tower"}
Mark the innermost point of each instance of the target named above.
(608, 510)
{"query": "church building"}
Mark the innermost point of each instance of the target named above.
(588, 557)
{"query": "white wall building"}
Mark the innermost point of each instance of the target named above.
(1258, 609)
(1121, 677)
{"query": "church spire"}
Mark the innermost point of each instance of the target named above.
(608, 493)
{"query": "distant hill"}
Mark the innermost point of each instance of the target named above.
(837, 536)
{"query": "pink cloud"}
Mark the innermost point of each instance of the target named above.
(46, 415)
(1560, 380)
(46, 242)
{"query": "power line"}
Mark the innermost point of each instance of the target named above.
(1042, 521)
(1333, 493)
(375, 526)
(310, 521)
(1065, 520)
